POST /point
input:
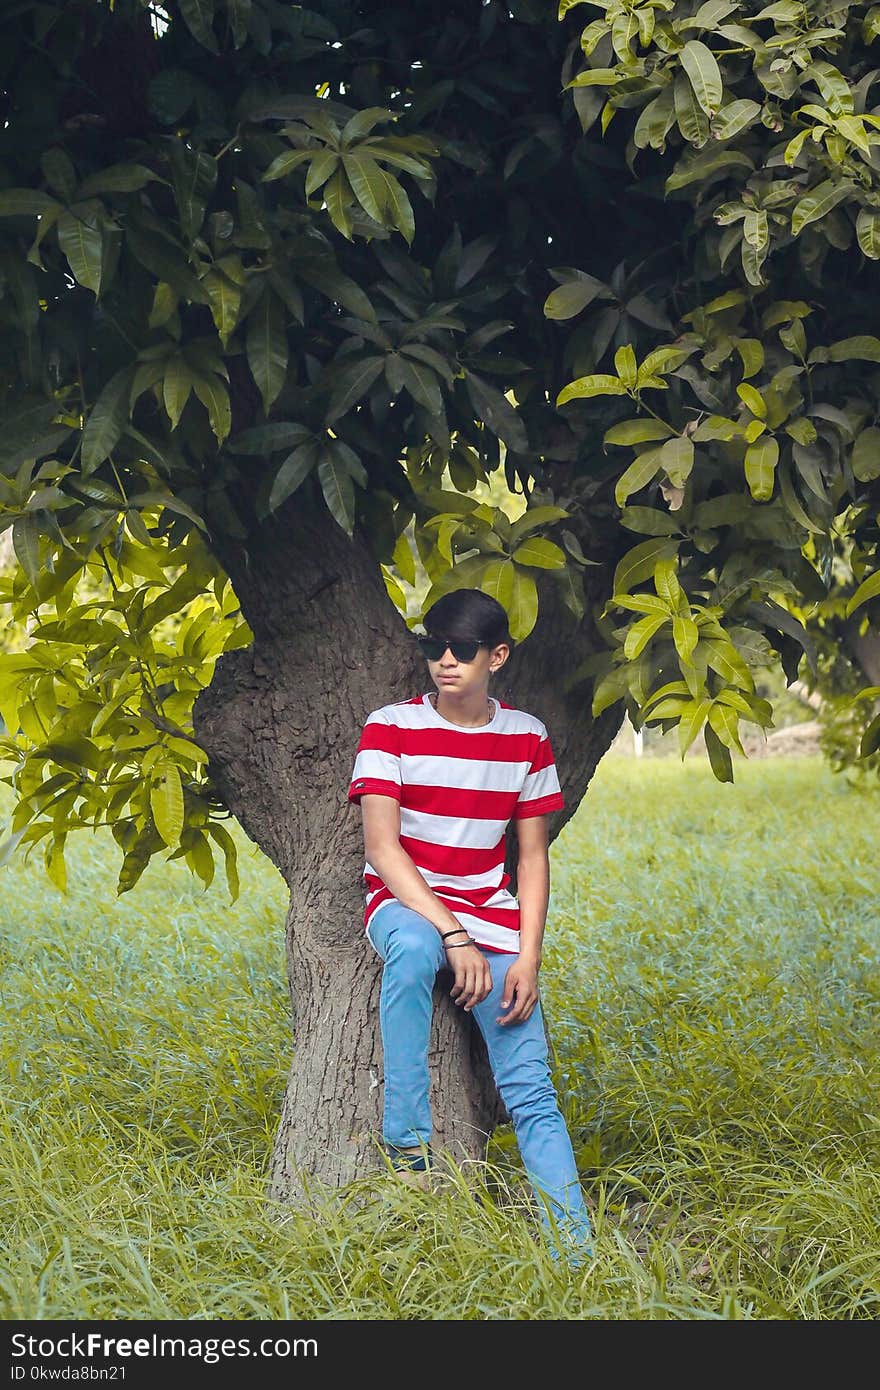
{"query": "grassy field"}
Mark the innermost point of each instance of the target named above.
(712, 982)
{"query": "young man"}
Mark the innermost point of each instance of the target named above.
(438, 778)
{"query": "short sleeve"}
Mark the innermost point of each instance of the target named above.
(377, 764)
(541, 792)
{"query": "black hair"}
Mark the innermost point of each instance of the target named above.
(469, 614)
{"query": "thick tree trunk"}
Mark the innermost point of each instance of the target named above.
(280, 723)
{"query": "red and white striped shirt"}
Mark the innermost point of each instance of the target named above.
(458, 790)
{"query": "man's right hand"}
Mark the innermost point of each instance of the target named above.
(473, 978)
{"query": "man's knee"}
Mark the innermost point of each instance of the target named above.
(413, 952)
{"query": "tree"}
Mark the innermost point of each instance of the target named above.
(278, 292)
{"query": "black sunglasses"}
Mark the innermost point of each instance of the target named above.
(462, 649)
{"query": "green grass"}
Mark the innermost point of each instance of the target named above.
(711, 980)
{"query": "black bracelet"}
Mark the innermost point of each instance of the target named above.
(455, 932)
(456, 944)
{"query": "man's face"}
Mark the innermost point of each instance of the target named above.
(461, 678)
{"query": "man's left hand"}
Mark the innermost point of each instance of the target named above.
(520, 993)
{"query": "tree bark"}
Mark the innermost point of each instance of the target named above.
(280, 723)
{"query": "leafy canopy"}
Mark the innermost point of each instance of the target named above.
(256, 257)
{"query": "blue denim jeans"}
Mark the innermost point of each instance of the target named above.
(413, 953)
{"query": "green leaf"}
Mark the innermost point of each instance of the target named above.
(177, 386)
(792, 501)
(367, 184)
(522, 605)
(662, 360)
(691, 722)
(753, 399)
(724, 658)
(862, 348)
(292, 472)
(728, 509)
(685, 635)
(107, 420)
(692, 119)
(865, 458)
(533, 517)
(323, 165)
(569, 299)
(154, 498)
(267, 347)
(117, 178)
(539, 553)
(423, 353)
(870, 738)
(760, 467)
(166, 802)
(194, 176)
(724, 721)
(868, 589)
(339, 202)
(833, 86)
(596, 77)
(55, 865)
(166, 261)
(398, 206)
(171, 92)
(215, 398)
(677, 458)
(774, 615)
(495, 410)
(26, 544)
(751, 351)
(667, 709)
(338, 490)
(404, 560)
(198, 854)
(422, 385)
(596, 385)
(239, 12)
(755, 228)
(719, 757)
(638, 475)
(82, 242)
(648, 521)
(794, 337)
(734, 118)
(607, 691)
(639, 563)
(27, 202)
(339, 288)
(641, 633)
(224, 297)
(637, 431)
(802, 430)
(640, 603)
(868, 233)
(666, 582)
(351, 383)
(706, 165)
(199, 15)
(626, 366)
(819, 201)
(230, 856)
(284, 163)
(363, 123)
(267, 439)
(516, 591)
(655, 121)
